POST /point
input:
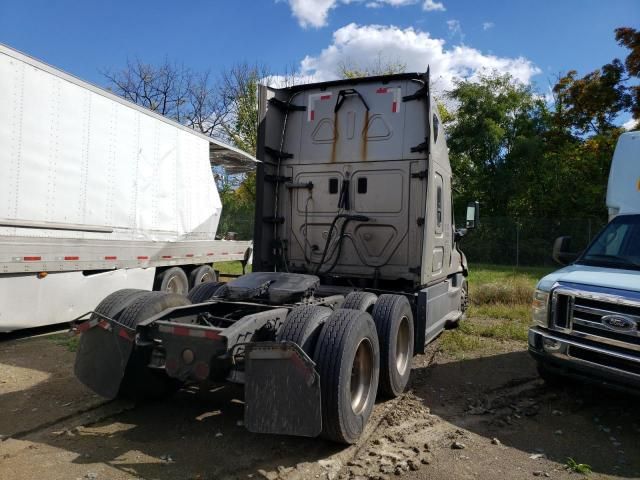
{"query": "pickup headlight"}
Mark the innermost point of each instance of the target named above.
(540, 308)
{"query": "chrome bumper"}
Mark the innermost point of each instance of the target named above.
(572, 357)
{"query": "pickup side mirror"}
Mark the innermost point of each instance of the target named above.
(473, 215)
(562, 251)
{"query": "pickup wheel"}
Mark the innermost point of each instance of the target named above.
(141, 382)
(203, 292)
(394, 322)
(172, 280)
(362, 301)
(302, 326)
(202, 274)
(347, 358)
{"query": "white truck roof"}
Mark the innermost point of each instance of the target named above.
(623, 191)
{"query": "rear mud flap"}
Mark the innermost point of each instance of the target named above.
(102, 357)
(282, 390)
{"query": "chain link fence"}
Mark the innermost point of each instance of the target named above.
(525, 241)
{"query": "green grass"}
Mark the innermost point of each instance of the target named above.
(574, 466)
(500, 309)
(70, 342)
(230, 268)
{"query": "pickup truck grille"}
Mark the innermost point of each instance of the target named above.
(597, 316)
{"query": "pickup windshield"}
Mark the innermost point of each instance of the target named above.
(617, 246)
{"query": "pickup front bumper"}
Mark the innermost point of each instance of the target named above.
(597, 363)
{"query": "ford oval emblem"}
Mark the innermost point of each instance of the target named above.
(619, 323)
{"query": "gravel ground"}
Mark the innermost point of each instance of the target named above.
(484, 416)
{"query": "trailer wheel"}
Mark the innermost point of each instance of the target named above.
(172, 280)
(203, 292)
(362, 301)
(141, 382)
(302, 326)
(202, 274)
(347, 358)
(394, 322)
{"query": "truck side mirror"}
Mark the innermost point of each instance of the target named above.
(473, 215)
(561, 251)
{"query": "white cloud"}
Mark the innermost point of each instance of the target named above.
(432, 5)
(416, 49)
(314, 13)
(487, 25)
(630, 124)
(455, 29)
(311, 13)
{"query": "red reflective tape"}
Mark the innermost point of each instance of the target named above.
(83, 327)
(182, 331)
(224, 253)
(124, 334)
(32, 259)
(210, 253)
(166, 256)
(325, 97)
(394, 107)
(211, 335)
(312, 115)
(110, 257)
(72, 257)
(382, 90)
(189, 255)
(104, 324)
(143, 257)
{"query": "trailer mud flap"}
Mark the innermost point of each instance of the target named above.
(282, 390)
(102, 356)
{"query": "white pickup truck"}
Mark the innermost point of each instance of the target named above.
(98, 194)
(586, 316)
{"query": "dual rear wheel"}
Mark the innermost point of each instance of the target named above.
(359, 352)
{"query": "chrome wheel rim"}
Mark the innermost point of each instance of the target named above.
(361, 376)
(403, 345)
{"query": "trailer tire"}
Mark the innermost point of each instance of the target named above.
(394, 322)
(172, 280)
(347, 359)
(202, 274)
(362, 301)
(140, 382)
(203, 292)
(302, 326)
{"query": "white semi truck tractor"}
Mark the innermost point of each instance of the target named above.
(356, 268)
(586, 316)
(98, 194)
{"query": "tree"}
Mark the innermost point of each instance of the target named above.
(630, 38)
(174, 91)
(379, 66)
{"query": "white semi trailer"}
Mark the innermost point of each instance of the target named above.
(98, 194)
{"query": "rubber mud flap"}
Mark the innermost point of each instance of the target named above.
(282, 390)
(102, 358)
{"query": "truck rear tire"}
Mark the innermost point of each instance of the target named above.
(362, 301)
(112, 305)
(302, 326)
(347, 358)
(394, 322)
(203, 292)
(202, 274)
(141, 382)
(172, 280)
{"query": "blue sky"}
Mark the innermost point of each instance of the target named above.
(534, 40)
